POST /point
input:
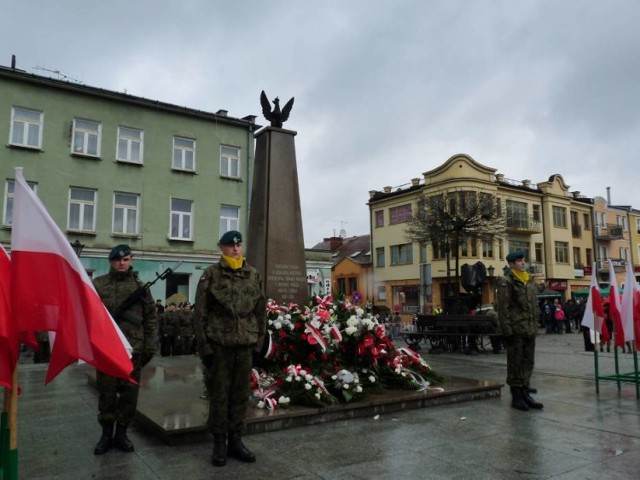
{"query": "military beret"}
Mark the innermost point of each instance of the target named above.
(232, 237)
(513, 256)
(119, 251)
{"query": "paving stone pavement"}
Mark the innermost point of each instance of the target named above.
(578, 435)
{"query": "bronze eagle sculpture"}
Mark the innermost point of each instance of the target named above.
(276, 116)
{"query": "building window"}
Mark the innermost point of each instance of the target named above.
(87, 137)
(516, 213)
(622, 222)
(588, 253)
(184, 154)
(638, 225)
(382, 293)
(82, 209)
(515, 245)
(7, 214)
(624, 253)
(401, 214)
(380, 218)
(26, 127)
(536, 213)
(487, 248)
(402, 254)
(353, 285)
(229, 218)
(538, 247)
(342, 286)
(125, 213)
(230, 162)
(380, 257)
(562, 252)
(437, 248)
(577, 263)
(130, 145)
(587, 223)
(181, 218)
(464, 247)
(560, 217)
(423, 252)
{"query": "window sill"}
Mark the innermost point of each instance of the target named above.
(84, 233)
(183, 170)
(233, 179)
(25, 147)
(181, 240)
(86, 155)
(134, 236)
(129, 162)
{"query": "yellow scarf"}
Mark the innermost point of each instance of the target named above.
(233, 263)
(524, 276)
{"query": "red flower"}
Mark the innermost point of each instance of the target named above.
(303, 337)
(283, 334)
(367, 341)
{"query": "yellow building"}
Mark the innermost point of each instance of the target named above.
(613, 239)
(548, 222)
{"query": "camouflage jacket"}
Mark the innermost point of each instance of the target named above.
(517, 306)
(186, 324)
(170, 323)
(230, 308)
(113, 289)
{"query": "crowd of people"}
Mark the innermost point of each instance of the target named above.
(175, 329)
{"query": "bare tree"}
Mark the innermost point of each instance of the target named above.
(454, 218)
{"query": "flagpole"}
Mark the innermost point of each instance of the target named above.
(11, 468)
(4, 431)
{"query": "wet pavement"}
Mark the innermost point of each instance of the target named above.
(578, 435)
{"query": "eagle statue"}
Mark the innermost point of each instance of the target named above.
(276, 116)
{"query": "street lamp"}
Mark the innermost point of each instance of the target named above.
(77, 247)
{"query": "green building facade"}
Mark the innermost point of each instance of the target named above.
(115, 168)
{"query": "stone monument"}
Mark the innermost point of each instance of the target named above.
(275, 240)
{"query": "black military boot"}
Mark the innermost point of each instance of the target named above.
(121, 440)
(517, 401)
(106, 440)
(236, 448)
(219, 457)
(529, 400)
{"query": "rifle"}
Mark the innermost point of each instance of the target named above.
(122, 311)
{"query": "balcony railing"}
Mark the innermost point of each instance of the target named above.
(610, 231)
(536, 269)
(523, 224)
(618, 264)
(576, 230)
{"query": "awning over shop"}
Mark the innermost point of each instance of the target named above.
(548, 293)
(604, 292)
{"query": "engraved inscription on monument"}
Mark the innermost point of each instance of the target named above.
(285, 279)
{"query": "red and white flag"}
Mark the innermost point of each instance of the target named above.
(594, 310)
(626, 308)
(615, 308)
(8, 334)
(50, 291)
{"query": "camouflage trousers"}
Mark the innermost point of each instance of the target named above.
(229, 377)
(117, 398)
(520, 358)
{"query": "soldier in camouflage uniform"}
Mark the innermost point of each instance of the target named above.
(168, 331)
(518, 317)
(118, 398)
(186, 330)
(230, 320)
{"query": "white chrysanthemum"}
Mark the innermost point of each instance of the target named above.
(303, 373)
(287, 316)
(353, 321)
(308, 386)
(358, 389)
(359, 312)
(308, 377)
(298, 378)
(333, 377)
(346, 386)
(404, 374)
(350, 330)
(372, 379)
(368, 324)
(270, 322)
(317, 396)
(260, 404)
(289, 378)
(277, 324)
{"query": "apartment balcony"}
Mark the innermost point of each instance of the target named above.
(536, 269)
(610, 231)
(576, 230)
(619, 264)
(523, 224)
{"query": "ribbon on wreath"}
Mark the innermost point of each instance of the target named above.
(317, 336)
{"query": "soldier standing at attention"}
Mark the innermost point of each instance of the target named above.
(118, 398)
(229, 320)
(518, 317)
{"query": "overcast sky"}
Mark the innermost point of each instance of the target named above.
(384, 90)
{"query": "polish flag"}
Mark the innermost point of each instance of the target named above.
(8, 334)
(594, 310)
(626, 311)
(51, 291)
(615, 308)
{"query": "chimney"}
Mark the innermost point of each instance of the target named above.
(526, 183)
(499, 177)
(334, 242)
(608, 195)
(415, 182)
(387, 189)
(13, 62)
(222, 113)
(576, 194)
